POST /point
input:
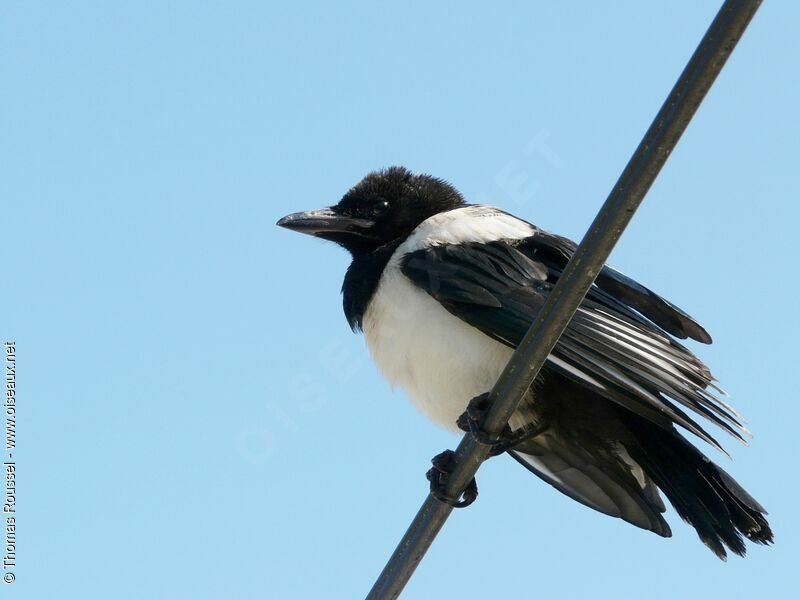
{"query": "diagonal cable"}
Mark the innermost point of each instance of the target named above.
(593, 251)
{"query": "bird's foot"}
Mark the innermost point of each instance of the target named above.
(442, 468)
(471, 421)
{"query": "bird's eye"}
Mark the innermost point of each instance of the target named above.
(380, 208)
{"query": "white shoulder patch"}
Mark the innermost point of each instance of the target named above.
(476, 223)
(412, 337)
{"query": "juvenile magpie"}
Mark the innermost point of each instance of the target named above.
(444, 291)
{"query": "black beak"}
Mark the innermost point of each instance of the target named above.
(324, 221)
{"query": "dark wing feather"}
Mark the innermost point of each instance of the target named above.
(618, 343)
(555, 251)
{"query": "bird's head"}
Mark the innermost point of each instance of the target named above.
(385, 206)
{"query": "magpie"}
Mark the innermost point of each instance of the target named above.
(443, 292)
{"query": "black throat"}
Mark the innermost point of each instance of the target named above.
(362, 280)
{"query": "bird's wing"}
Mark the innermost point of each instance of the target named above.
(614, 287)
(618, 344)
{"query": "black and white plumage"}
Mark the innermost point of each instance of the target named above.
(444, 291)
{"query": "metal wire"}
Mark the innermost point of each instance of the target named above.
(615, 214)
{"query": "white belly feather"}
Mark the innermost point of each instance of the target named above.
(440, 361)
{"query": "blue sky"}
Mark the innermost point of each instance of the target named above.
(195, 419)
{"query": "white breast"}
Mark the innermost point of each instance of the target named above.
(440, 361)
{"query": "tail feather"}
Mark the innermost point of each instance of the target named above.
(703, 494)
(597, 478)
